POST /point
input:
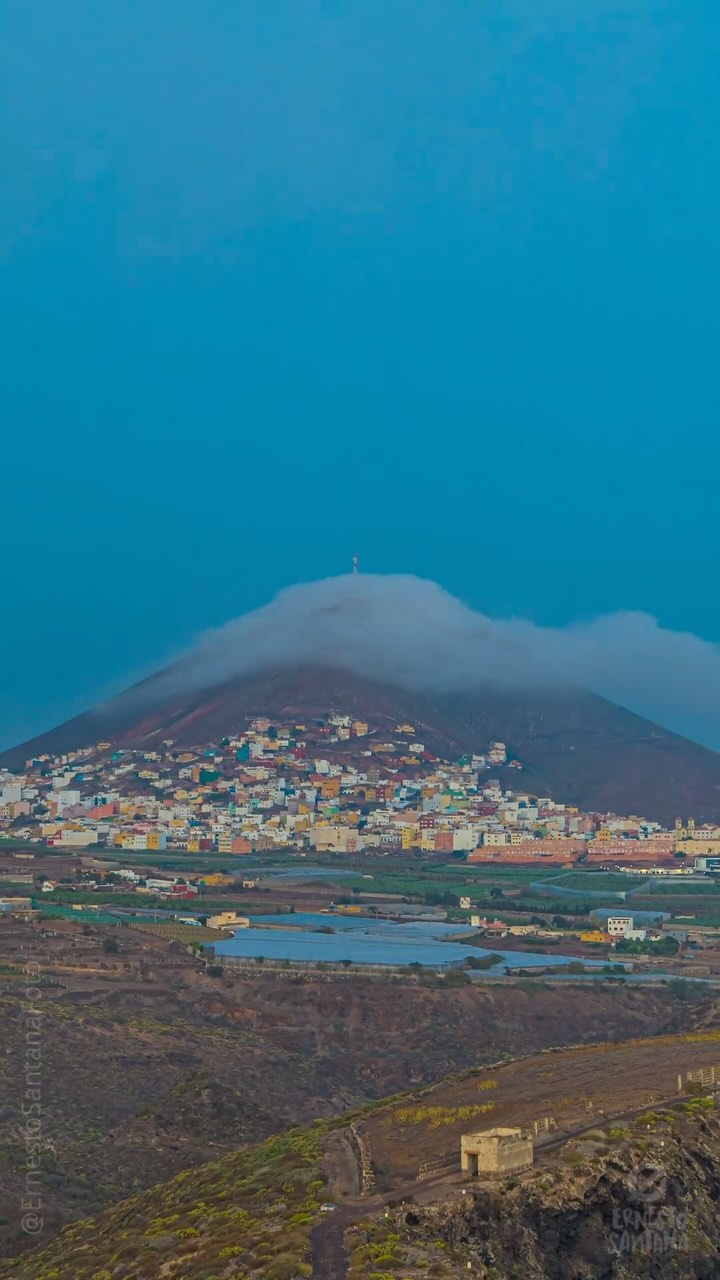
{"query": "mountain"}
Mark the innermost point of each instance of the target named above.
(574, 745)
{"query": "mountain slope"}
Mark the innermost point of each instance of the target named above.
(584, 750)
(634, 1198)
(153, 710)
(574, 746)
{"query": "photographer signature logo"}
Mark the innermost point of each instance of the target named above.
(647, 1185)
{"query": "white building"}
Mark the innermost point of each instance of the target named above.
(619, 926)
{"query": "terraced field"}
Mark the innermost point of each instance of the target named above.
(568, 1085)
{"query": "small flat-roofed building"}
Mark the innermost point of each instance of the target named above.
(493, 1153)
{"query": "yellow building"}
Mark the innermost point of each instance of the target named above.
(698, 847)
(224, 919)
(365, 791)
(410, 837)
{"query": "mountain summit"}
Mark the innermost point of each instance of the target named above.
(575, 746)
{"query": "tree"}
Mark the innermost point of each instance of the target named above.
(456, 978)
(110, 946)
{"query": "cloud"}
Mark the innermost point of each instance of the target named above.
(409, 631)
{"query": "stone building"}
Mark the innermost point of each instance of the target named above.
(493, 1153)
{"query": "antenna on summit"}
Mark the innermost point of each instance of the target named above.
(355, 563)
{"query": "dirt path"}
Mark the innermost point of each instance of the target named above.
(327, 1244)
(328, 1252)
(340, 1166)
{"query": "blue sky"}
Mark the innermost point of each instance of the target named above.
(432, 281)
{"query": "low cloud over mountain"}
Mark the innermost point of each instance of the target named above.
(411, 632)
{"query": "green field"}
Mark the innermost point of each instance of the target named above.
(683, 889)
(603, 881)
(698, 911)
(494, 888)
(54, 909)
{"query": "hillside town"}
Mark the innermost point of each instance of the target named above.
(326, 786)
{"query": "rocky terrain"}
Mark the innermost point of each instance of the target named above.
(636, 1201)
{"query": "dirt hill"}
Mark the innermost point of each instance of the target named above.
(626, 1193)
(573, 745)
(155, 1067)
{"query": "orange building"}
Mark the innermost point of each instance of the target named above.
(560, 851)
